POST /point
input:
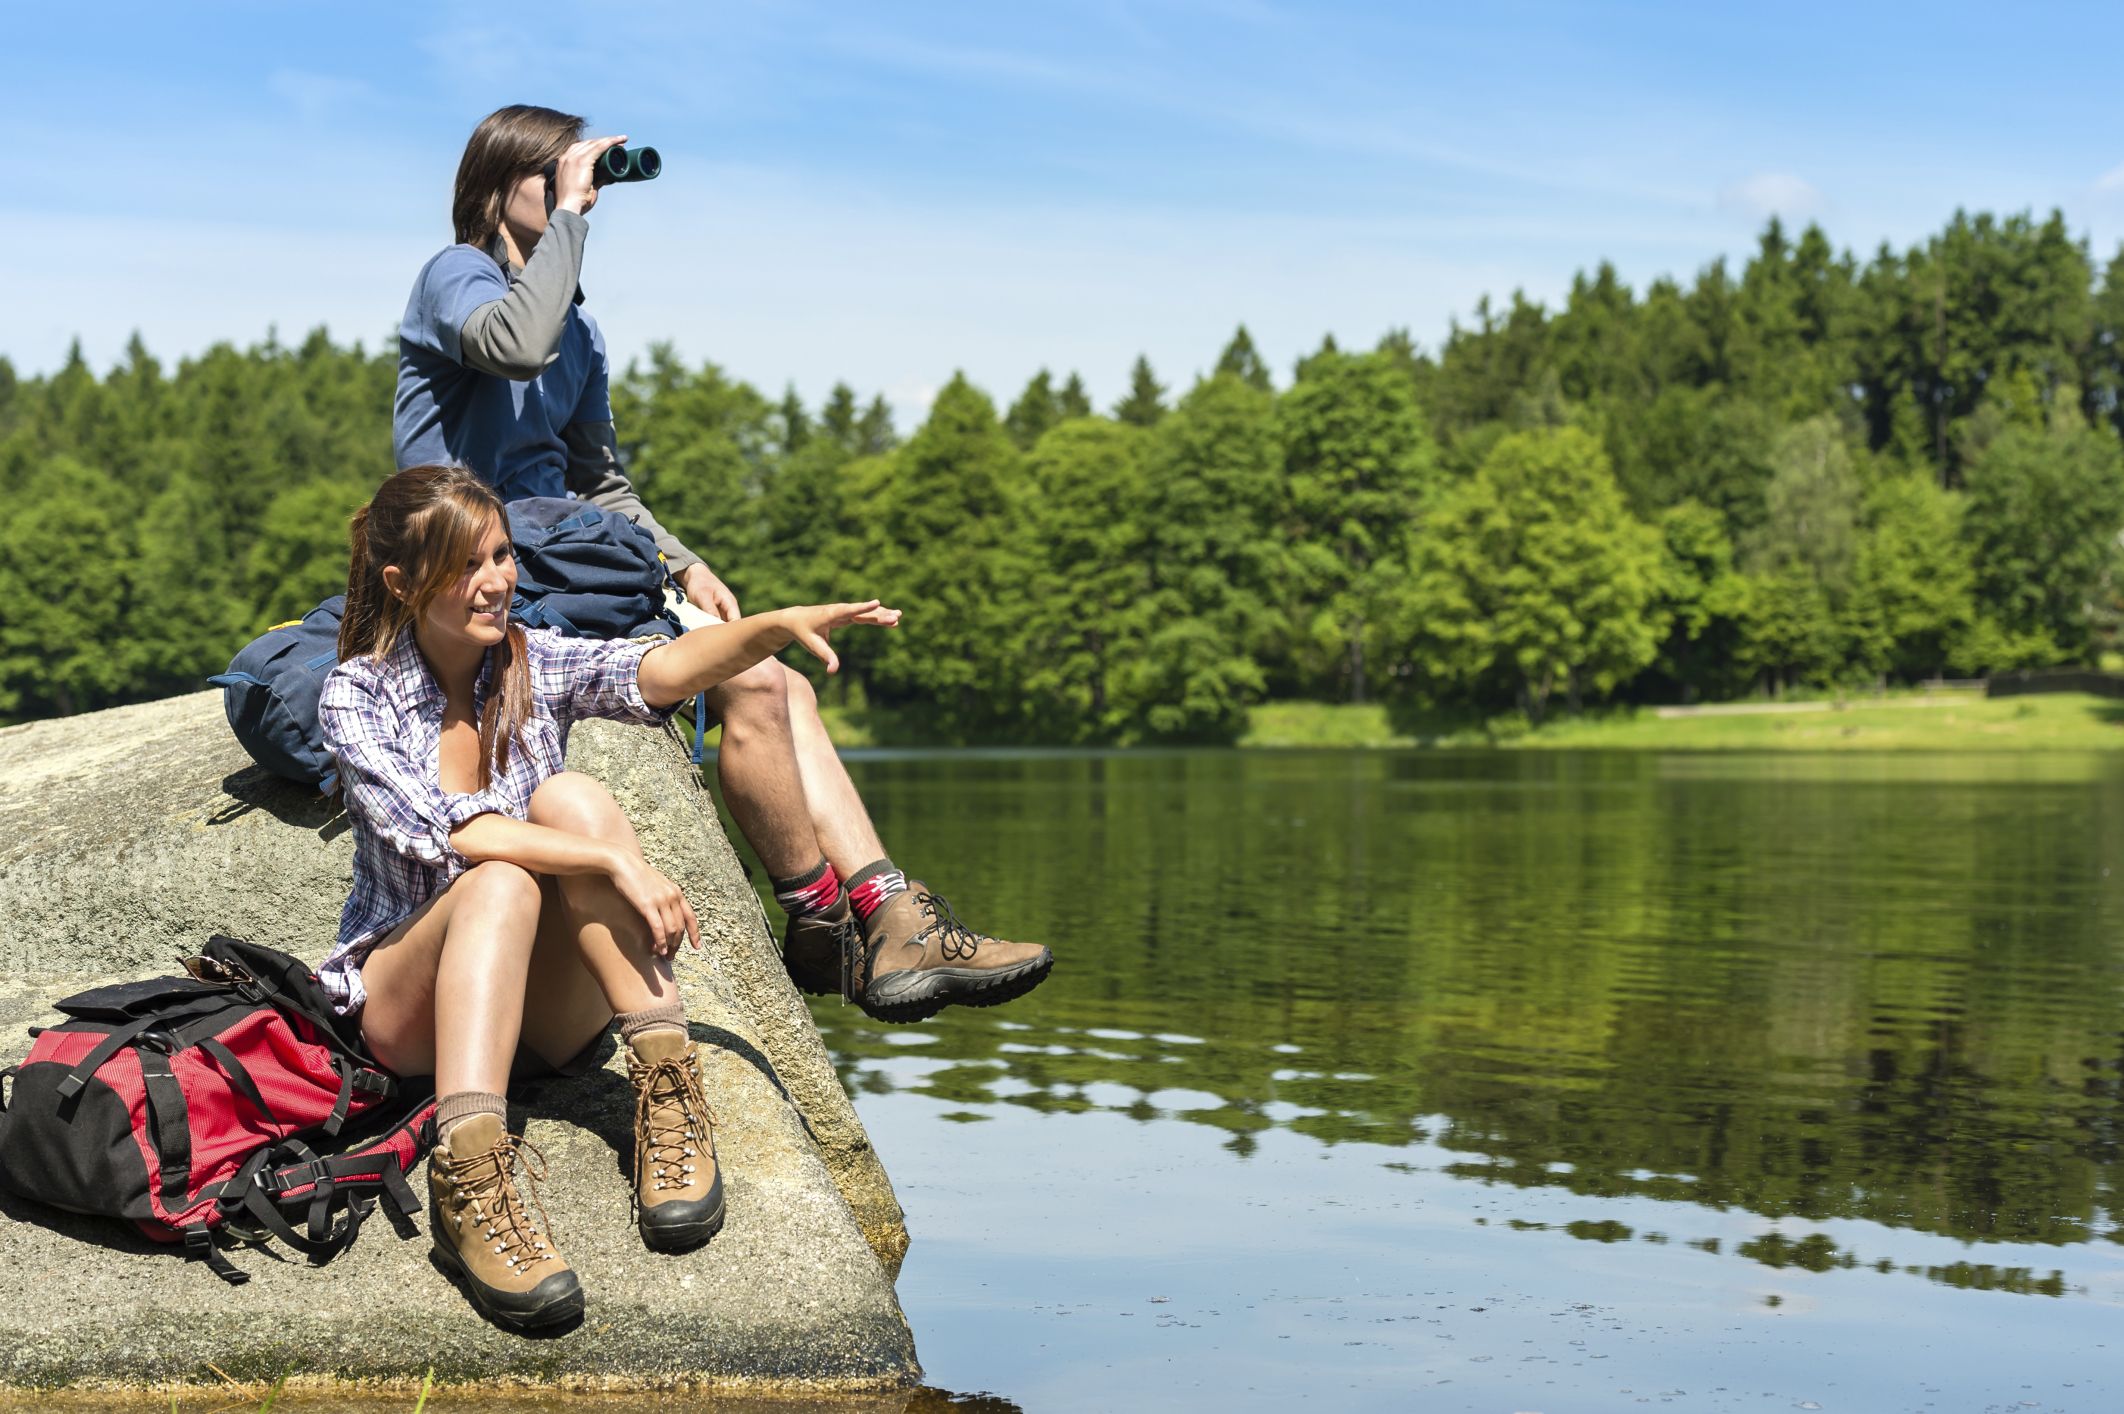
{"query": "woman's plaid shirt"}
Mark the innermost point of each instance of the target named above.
(382, 720)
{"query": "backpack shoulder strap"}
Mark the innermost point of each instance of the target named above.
(287, 983)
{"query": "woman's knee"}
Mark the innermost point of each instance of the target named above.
(499, 888)
(570, 800)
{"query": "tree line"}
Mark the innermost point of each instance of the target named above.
(1814, 471)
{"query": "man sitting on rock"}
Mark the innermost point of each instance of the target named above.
(500, 369)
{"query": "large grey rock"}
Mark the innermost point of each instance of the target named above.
(128, 836)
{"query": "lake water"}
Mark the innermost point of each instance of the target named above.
(1515, 1082)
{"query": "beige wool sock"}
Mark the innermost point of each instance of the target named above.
(453, 1109)
(669, 1017)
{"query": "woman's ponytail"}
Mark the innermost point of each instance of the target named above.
(358, 621)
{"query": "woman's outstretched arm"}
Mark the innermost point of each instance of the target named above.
(694, 662)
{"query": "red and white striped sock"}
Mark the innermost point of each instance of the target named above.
(811, 892)
(873, 885)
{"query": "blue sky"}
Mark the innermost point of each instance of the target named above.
(884, 193)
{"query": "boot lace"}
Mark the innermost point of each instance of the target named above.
(672, 1122)
(856, 956)
(959, 942)
(488, 1184)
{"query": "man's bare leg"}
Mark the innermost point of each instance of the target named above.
(838, 817)
(792, 798)
(757, 767)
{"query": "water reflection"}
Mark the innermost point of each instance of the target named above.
(1814, 989)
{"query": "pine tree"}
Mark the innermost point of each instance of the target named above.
(1532, 578)
(942, 530)
(1145, 402)
(1215, 605)
(1072, 402)
(1328, 349)
(875, 433)
(1358, 466)
(1034, 412)
(796, 425)
(1240, 359)
(838, 419)
(1085, 598)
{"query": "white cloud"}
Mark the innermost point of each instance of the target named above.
(2111, 180)
(1768, 194)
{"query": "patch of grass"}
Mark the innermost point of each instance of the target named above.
(1906, 722)
(2059, 722)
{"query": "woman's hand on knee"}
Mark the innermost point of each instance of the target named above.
(660, 902)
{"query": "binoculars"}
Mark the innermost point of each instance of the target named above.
(620, 164)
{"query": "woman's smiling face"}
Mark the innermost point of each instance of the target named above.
(475, 608)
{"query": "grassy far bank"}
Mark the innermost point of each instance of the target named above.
(2058, 722)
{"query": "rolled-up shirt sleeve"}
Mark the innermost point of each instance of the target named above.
(593, 677)
(384, 786)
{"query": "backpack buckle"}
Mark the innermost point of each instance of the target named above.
(199, 1247)
(279, 1181)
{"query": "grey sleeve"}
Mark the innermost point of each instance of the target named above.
(518, 335)
(594, 475)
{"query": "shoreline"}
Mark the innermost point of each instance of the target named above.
(1916, 721)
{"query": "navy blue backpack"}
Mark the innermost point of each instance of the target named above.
(589, 572)
(270, 694)
(586, 572)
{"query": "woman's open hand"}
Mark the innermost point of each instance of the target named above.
(663, 907)
(575, 174)
(810, 623)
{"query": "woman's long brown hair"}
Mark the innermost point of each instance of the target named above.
(508, 145)
(428, 521)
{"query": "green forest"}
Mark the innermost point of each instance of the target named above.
(1813, 471)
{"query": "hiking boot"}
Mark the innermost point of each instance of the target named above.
(812, 947)
(918, 958)
(678, 1187)
(484, 1238)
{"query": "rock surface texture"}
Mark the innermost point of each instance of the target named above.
(129, 836)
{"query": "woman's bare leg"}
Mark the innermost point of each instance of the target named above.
(446, 990)
(593, 956)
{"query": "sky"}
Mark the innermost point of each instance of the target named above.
(884, 194)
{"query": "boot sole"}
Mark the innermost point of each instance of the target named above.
(932, 989)
(681, 1237)
(557, 1311)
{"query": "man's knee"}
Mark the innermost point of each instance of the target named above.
(759, 695)
(572, 801)
(802, 700)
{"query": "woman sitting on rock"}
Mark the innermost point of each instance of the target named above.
(502, 913)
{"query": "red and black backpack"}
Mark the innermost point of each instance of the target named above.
(232, 1099)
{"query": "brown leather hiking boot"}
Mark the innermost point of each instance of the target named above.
(812, 947)
(484, 1238)
(678, 1186)
(918, 958)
